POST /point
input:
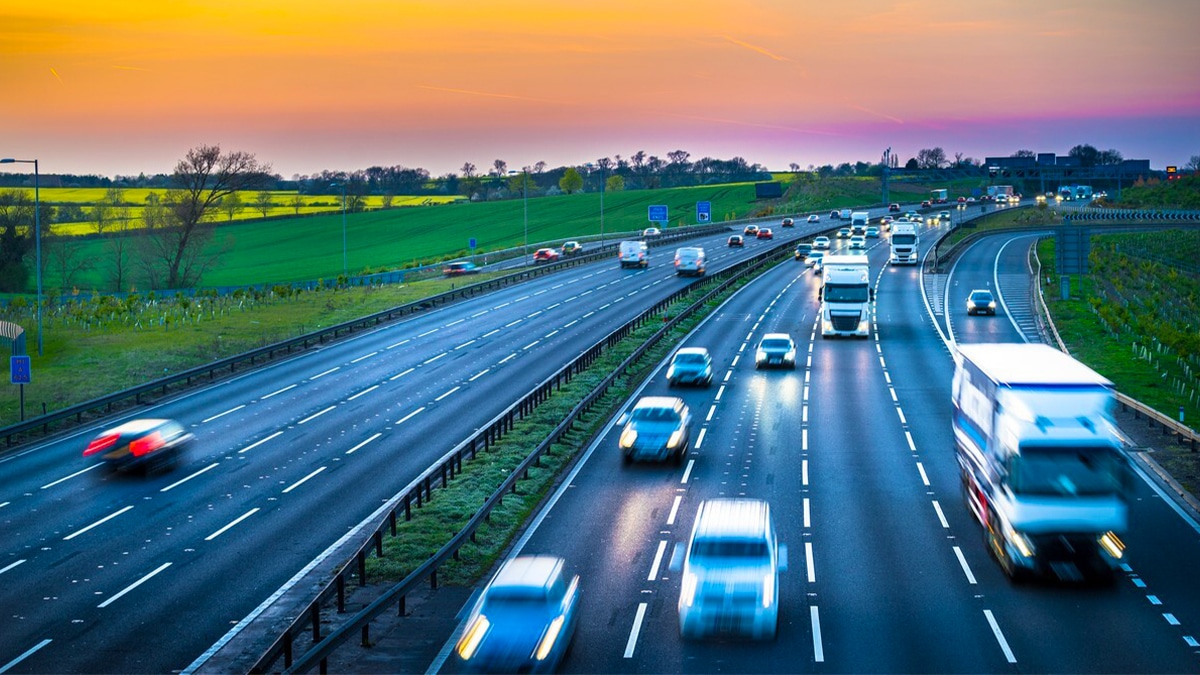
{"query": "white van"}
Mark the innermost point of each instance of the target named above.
(690, 261)
(730, 582)
(634, 254)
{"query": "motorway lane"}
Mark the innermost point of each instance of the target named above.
(269, 477)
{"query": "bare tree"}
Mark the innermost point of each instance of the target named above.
(539, 166)
(175, 248)
(1193, 164)
(232, 205)
(500, 167)
(388, 199)
(118, 249)
(296, 202)
(263, 203)
(931, 158)
(64, 256)
(1024, 153)
(794, 167)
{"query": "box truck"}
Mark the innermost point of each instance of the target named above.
(1042, 467)
(905, 243)
(859, 220)
(845, 295)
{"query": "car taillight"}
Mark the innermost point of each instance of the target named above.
(101, 443)
(146, 444)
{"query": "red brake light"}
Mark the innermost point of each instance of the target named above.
(101, 443)
(146, 444)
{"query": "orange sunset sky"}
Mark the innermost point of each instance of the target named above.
(120, 87)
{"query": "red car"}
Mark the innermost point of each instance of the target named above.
(545, 255)
(765, 233)
(962, 200)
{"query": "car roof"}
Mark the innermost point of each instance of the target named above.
(138, 426)
(740, 518)
(980, 290)
(777, 336)
(531, 573)
(692, 350)
(659, 402)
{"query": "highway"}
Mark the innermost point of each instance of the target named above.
(122, 573)
(854, 451)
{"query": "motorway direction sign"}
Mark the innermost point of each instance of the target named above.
(1073, 245)
(19, 369)
(471, 243)
(657, 213)
(703, 212)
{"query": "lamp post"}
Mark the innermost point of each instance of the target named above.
(345, 267)
(525, 206)
(37, 232)
(603, 180)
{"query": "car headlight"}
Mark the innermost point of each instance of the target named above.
(474, 635)
(551, 635)
(768, 597)
(671, 371)
(760, 355)
(1023, 544)
(1110, 542)
(675, 439)
(992, 305)
(687, 590)
(628, 437)
(790, 355)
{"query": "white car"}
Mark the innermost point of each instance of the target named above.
(815, 260)
(814, 218)
(821, 243)
(651, 232)
(858, 241)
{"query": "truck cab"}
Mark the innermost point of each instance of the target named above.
(845, 296)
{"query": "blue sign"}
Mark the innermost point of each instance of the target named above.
(703, 212)
(20, 369)
(658, 213)
(472, 243)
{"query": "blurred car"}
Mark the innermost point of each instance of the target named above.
(658, 428)
(858, 241)
(730, 572)
(893, 207)
(143, 444)
(572, 248)
(690, 365)
(814, 218)
(962, 200)
(802, 251)
(835, 214)
(764, 233)
(524, 620)
(981, 301)
(970, 200)
(690, 260)
(821, 243)
(926, 204)
(651, 232)
(457, 269)
(944, 215)
(750, 230)
(872, 232)
(815, 260)
(545, 255)
(736, 240)
(775, 349)
(844, 233)
(787, 222)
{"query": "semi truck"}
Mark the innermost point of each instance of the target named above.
(940, 196)
(905, 243)
(1042, 467)
(858, 221)
(845, 295)
(995, 191)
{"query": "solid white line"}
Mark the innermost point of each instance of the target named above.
(316, 415)
(351, 450)
(325, 373)
(98, 522)
(804, 472)
(807, 515)
(812, 566)
(637, 628)
(924, 478)
(711, 410)
(184, 480)
(24, 656)
(397, 344)
(662, 547)
(941, 516)
(290, 386)
(531, 344)
(962, 560)
(454, 323)
(431, 360)
(688, 471)
(489, 334)
(9, 567)
(700, 438)
(364, 391)
(132, 586)
(428, 332)
(465, 344)
(223, 414)
(670, 517)
(510, 357)
(258, 443)
(221, 531)
(300, 482)
(720, 392)
(409, 416)
(66, 478)
(446, 394)
(396, 377)
(818, 648)
(999, 636)
(364, 358)
(478, 375)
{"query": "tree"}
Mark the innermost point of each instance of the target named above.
(931, 158)
(118, 246)
(64, 256)
(232, 205)
(1109, 157)
(175, 250)
(388, 200)
(500, 167)
(262, 203)
(1024, 153)
(1086, 154)
(794, 167)
(1193, 164)
(571, 182)
(16, 220)
(911, 163)
(615, 183)
(296, 202)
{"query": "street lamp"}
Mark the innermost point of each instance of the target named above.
(345, 268)
(37, 231)
(525, 200)
(603, 180)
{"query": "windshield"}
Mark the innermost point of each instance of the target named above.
(689, 358)
(981, 297)
(903, 239)
(845, 293)
(777, 345)
(743, 549)
(654, 415)
(1066, 472)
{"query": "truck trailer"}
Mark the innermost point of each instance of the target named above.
(845, 295)
(940, 196)
(1042, 467)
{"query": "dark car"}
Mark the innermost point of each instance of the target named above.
(926, 204)
(457, 269)
(736, 240)
(787, 222)
(802, 251)
(658, 428)
(981, 301)
(145, 444)
(524, 619)
(776, 349)
(835, 214)
(893, 207)
(545, 255)
(690, 365)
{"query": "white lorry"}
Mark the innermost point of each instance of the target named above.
(845, 295)
(859, 220)
(905, 243)
(1042, 467)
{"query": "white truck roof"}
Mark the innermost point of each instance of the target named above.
(847, 259)
(1025, 365)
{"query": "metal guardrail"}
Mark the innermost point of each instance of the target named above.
(1093, 213)
(308, 616)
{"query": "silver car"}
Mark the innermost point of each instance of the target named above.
(776, 349)
(658, 428)
(690, 365)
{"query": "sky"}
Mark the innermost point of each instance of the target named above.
(123, 87)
